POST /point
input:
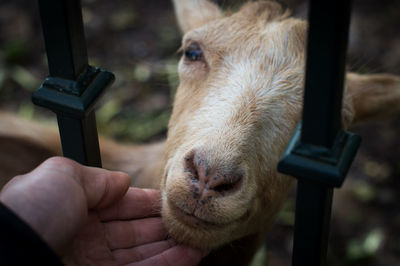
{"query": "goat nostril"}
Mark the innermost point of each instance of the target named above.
(226, 184)
(224, 187)
(190, 167)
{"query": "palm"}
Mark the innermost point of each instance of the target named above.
(90, 246)
(128, 234)
(121, 234)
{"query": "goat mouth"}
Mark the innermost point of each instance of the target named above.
(192, 220)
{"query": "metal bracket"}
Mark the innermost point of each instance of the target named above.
(73, 97)
(317, 163)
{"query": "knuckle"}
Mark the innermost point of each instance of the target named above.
(61, 164)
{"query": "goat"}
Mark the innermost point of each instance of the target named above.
(237, 105)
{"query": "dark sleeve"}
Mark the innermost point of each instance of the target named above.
(20, 245)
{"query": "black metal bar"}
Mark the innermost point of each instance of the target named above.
(79, 138)
(64, 38)
(320, 153)
(73, 87)
(327, 44)
(313, 210)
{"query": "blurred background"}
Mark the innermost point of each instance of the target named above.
(138, 42)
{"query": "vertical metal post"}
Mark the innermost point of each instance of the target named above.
(313, 212)
(320, 155)
(64, 38)
(326, 58)
(73, 87)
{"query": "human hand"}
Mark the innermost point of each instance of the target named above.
(79, 212)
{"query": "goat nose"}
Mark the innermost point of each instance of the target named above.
(208, 181)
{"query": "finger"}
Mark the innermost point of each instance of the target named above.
(102, 187)
(137, 203)
(128, 234)
(139, 253)
(177, 256)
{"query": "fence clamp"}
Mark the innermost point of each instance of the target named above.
(76, 98)
(317, 163)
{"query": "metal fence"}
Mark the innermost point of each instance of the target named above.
(319, 154)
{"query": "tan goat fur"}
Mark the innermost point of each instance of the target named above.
(238, 107)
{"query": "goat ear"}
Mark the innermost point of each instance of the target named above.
(264, 11)
(373, 96)
(192, 14)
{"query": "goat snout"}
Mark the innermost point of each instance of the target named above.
(208, 181)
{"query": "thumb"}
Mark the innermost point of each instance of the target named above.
(102, 187)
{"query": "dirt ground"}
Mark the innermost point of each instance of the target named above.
(138, 40)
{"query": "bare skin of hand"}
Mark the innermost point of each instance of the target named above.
(90, 216)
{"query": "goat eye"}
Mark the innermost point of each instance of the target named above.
(194, 52)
